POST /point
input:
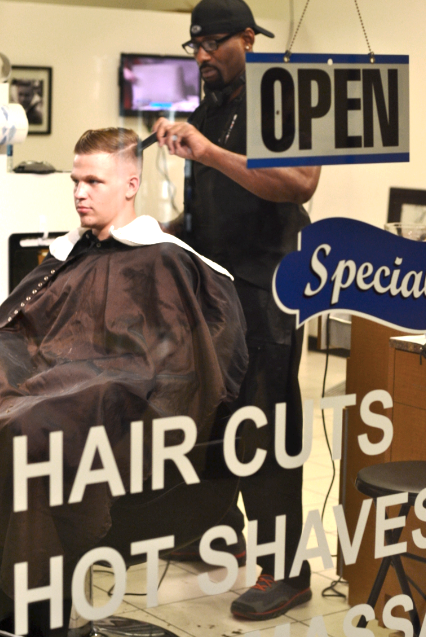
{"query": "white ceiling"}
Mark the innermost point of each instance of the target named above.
(261, 8)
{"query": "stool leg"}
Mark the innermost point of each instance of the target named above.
(377, 587)
(405, 588)
(392, 537)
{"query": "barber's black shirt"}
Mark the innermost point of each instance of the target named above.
(244, 233)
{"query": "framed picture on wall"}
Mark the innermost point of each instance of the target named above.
(31, 86)
(407, 205)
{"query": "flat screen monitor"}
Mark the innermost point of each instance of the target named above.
(155, 84)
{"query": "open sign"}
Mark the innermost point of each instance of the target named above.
(326, 109)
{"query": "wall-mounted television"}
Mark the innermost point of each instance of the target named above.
(156, 84)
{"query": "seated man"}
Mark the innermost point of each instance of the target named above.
(120, 323)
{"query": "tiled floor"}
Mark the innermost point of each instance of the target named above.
(186, 611)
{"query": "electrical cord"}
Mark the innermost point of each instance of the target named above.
(327, 358)
(329, 591)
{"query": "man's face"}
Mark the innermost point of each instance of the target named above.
(221, 67)
(25, 95)
(101, 190)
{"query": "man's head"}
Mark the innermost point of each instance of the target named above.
(124, 143)
(223, 16)
(25, 93)
(227, 26)
(106, 175)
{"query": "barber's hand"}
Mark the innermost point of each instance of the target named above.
(183, 140)
(174, 227)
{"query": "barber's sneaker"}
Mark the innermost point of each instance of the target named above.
(191, 553)
(268, 599)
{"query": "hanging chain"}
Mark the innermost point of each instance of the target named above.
(287, 54)
(372, 58)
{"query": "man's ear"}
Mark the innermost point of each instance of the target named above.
(248, 36)
(133, 186)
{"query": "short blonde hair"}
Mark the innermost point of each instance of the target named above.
(122, 141)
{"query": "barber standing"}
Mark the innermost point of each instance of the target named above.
(247, 220)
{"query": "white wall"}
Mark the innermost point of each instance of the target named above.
(393, 27)
(83, 45)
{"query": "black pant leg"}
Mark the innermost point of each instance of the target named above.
(273, 491)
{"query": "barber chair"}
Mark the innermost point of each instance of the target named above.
(185, 511)
(388, 479)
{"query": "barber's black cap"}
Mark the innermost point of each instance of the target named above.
(223, 16)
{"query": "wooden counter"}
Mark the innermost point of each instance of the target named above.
(379, 360)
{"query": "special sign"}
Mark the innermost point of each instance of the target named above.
(326, 109)
(351, 266)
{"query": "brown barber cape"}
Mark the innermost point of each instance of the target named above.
(112, 334)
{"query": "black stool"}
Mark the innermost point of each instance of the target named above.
(388, 479)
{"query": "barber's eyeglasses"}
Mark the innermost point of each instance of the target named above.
(209, 46)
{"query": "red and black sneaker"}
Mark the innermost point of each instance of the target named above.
(268, 598)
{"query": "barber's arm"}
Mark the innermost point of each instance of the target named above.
(295, 185)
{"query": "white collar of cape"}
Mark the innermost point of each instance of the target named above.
(142, 231)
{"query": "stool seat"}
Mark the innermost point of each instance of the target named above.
(393, 477)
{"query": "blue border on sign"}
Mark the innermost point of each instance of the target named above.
(323, 58)
(328, 160)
